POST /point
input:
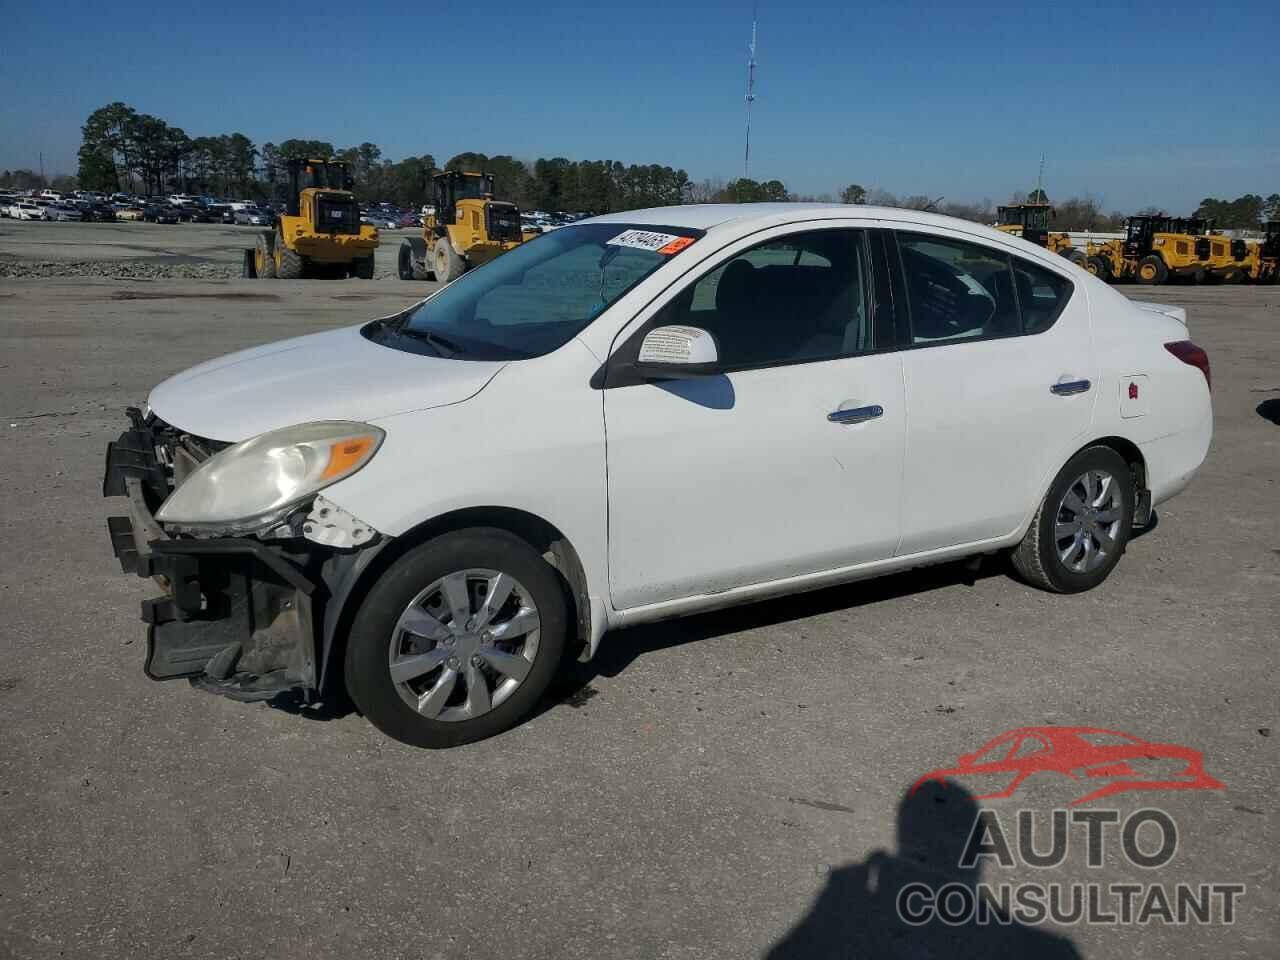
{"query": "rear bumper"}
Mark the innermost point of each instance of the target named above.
(238, 616)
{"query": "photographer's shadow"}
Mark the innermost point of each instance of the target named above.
(858, 916)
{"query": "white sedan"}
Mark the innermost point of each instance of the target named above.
(635, 417)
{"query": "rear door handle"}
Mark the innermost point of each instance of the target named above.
(1070, 387)
(856, 414)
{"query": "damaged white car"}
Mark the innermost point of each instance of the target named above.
(636, 417)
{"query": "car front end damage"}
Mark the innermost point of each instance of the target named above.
(250, 610)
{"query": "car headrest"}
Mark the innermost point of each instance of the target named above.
(735, 286)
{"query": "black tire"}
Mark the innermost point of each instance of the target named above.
(1098, 267)
(448, 265)
(404, 261)
(367, 666)
(264, 257)
(289, 263)
(1076, 256)
(1037, 558)
(363, 267)
(1151, 270)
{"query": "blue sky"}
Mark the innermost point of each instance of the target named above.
(1136, 103)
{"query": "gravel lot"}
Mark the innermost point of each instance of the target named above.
(727, 797)
(142, 251)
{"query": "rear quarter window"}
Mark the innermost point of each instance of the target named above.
(1042, 295)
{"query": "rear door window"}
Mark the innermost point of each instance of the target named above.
(957, 291)
(1042, 295)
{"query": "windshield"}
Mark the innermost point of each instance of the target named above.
(537, 297)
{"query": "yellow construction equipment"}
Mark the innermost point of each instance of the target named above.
(1227, 257)
(1154, 249)
(1262, 263)
(469, 227)
(320, 233)
(1030, 221)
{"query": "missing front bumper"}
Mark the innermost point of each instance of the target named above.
(242, 617)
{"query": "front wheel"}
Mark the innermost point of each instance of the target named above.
(1151, 270)
(448, 265)
(1098, 267)
(264, 261)
(458, 640)
(1082, 526)
(362, 268)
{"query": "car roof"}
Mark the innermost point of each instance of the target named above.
(704, 216)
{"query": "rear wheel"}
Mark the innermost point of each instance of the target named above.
(449, 266)
(289, 263)
(1076, 256)
(404, 261)
(1098, 267)
(264, 261)
(1151, 270)
(458, 640)
(1083, 524)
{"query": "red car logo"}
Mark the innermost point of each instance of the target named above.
(1086, 754)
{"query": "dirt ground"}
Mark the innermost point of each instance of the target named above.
(730, 785)
(148, 250)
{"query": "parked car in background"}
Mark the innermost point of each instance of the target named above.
(410, 219)
(129, 211)
(796, 395)
(99, 212)
(50, 195)
(6, 201)
(182, 199)
(62, 211)
(160, 213)
(198, 213)
(253, 217)
(26, 210)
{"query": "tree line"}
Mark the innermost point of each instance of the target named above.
(123, 149)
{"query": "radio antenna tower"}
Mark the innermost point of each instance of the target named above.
(751, 90)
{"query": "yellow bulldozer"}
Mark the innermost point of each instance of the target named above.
(469, 227)
(1030, 221)
(320, 233)
(1154, 249)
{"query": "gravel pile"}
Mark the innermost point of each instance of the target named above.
(116, 270)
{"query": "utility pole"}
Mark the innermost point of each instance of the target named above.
(1040, 182)
(751, 91)
(42, 165)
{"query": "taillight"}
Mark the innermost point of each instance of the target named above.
(1188, 352)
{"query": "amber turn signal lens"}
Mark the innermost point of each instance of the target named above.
(345, 455)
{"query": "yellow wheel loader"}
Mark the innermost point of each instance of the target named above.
(1153, 250)
(1262, 263)
(320, 233)
(1227, 259)
(469, 227)
(1030, 221)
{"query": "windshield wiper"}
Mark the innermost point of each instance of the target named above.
(434, 339)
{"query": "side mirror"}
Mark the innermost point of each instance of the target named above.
(675, 353)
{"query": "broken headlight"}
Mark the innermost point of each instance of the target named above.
(254, 483)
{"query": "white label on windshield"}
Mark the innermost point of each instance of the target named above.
(648, 240)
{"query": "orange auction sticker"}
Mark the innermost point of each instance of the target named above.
(675, 246)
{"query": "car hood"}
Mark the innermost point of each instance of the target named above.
(335, 375)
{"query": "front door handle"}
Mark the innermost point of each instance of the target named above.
(856, 414)
(1070, 387)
